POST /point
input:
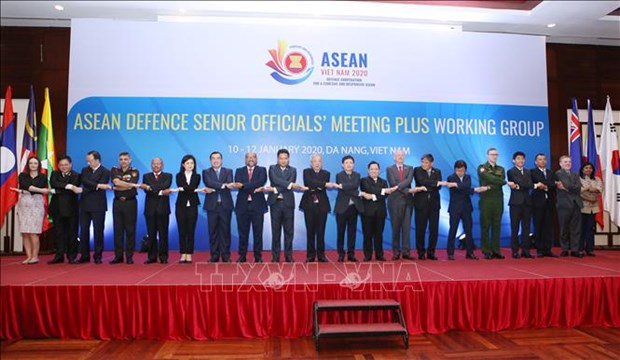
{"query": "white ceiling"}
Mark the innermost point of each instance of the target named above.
(578, 22)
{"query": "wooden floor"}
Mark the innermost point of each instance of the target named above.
(581, 343)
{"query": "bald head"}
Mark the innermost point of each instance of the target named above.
(157, 164)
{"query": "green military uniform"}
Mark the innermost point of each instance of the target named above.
(491, 205)
(125, 213)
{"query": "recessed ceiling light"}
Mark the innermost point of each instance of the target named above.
(550, 25)
(182, 10)
(59, 7)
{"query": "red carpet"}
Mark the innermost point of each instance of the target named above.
(213, 301)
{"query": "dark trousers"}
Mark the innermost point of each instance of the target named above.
(372, 227)
(256, 219)
(400, 218)
(125, 214)
(66, 236)
(98, 220)
(520, 215)
(588, 229)
(570, 227)
(157, 230)
(186, 224)
(543, 227)
(463, 216)
(347, 222)
(282, 219)
(425, 216)
(219, 232)
(315, 220)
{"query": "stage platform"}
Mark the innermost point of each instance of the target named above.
(214, 301)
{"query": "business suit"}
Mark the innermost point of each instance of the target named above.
(460, 209)
(569, 206)
(316, 206)
(399, 206)
(186, 211)
(427, 207)
(219, 206)
(93, 204)
(373, 217)
(282, 206)
(250, 209)
(157, 214)
(520, 211)
(542, 208)
(348, 206)
(64, 210)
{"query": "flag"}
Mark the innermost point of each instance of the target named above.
(8, 157)
(610, 166)
(592, 157)
(46, 151)
(29, 144)
(574, 138)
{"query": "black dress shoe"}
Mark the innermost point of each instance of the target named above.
(72, 261)
(367, 259)
(129, 261)
(164, 261)
(241, 260)
(550, 254)
(540, 255)
(564, 254)
(590, 253)
(289, 260)
(56, 261)
(258, 260)
(323, 260)
(275, 260)
(116, 260)
(380, 258)
(227, 261)
(515, 255)
(450, 257)
(499, 256)
(488, 256)
(432, 257)
(407, 257)
(83, 260)
(182, 261)
(395, 257)
(310, 260)
(97, 261)
(150, 261)
(340, 258)
(214, 260)
(471, 257)
(352, 259)
(576, 254)
(421, 257)
(527, 255)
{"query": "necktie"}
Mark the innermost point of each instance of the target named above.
(217, 175)
(250, 171)
(544, 171)
(156, 177)
(521, 171)
(400, 173)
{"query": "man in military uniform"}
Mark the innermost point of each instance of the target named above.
(491, 204)
(124, 208)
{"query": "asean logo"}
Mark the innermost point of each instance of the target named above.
(291, 64)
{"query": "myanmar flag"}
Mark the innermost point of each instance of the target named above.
(46, 150)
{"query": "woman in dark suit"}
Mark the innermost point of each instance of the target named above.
(187, 207)
(373, 218)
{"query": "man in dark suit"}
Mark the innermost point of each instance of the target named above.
(569, 206)
(348, 207)
(427, 205)
(542, 206)
(125, 207)
(460, 208)
(63, 208)
(251, 206)
(156, 185)
(399, 206)
(520, 183)
(282, 177)
(93, 205)
(316, 207)
(219, 206)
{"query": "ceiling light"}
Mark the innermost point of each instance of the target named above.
(59, 7)
(550, 25)
(182, 10)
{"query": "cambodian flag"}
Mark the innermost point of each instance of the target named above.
(8, 163)
(574, 138)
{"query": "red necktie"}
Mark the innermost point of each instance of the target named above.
(250, 170)
(400, 173)
(156, 177)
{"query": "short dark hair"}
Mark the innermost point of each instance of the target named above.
(27, 168)
(518, 153)
(539, 154)
(283, 151)
(459, 164)
(95, 154)
(347, 157)
(428, 156)
(583, 166)
(491, 149)
(65, 157)
(215, 153)
(184, 159)
(374, 163)
(123, 153)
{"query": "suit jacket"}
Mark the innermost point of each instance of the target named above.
(281, 179)
(315, 182)
(350, 192)
(211, 180)
(154, 203)
(522, 195)
(428, 198)
(460, 196)
(537, 196)
(259, 178)
(188, 190)
(572, 194)
(393, 178)
(93, 199)
(374, 207)
(64, 202)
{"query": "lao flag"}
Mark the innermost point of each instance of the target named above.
(610, 166)
(574, 138)
(592, 157)
(8, 163)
